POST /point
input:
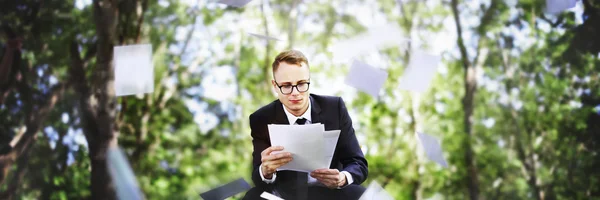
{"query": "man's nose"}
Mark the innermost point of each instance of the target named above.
(295, 91)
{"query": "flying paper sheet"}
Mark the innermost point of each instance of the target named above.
(264, 37)
(123, 178)
(235, 3)
(269, 196)
(134, 72)
(295, 139)
(366, 78)
(235, 187)
(331, 139)
(557, 6)
(421, 70)
(432, 148)
(376, 38)
(375, 192)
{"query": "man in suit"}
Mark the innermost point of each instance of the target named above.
(295, 105)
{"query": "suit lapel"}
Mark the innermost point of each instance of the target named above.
(280, 117)
(315, 111)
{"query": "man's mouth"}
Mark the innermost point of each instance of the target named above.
(296, 101)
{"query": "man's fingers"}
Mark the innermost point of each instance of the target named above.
(278, 156)
(268, 151)
(282, 155)
(273, 165)
(280, 162)
(326, 176)
(327, 171)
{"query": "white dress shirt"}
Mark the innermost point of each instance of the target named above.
(292, 120)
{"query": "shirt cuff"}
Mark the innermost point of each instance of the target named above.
(349, 179)
(263, 178)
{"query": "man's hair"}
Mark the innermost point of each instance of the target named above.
(293, 57)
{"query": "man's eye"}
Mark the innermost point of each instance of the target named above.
(286, 86)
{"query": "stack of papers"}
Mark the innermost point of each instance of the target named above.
(366, 78)
(134, 72)
(557, 6)
(232, 188)
(310, 145)
(375, 192)
(432, 148)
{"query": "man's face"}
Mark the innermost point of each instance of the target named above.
(287, 76)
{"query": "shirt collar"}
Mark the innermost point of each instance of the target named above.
(292, 119)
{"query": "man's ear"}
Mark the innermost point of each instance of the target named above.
(274, 88)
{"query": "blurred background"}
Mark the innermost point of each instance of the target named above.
(515, 101)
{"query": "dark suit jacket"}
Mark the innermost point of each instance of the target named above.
(328, 110)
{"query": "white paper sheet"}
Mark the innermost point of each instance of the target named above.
(304, 142)
(375, 192)
(421, 70)
(331, 139)
(264, 37)
(432, 148)
(120, 171)
(235, 3)
(366, 78)
(375, 39)
(134, 71)
(557, 6)
(269, 196)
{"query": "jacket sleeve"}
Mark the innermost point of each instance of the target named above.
(259, 142)
(351, 155)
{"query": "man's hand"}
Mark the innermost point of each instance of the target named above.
(273, 160)
(332, 178)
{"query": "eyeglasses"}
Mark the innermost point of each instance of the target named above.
(288, 88)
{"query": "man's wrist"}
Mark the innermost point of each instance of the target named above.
(344, 181)
(265, 174)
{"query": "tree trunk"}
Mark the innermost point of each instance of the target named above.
(98, 103)
(468, 105)
(470, 85)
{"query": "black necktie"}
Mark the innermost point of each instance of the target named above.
(301, 121)
(301, 177)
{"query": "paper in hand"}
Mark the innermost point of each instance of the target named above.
(264, 37)
(432, 148)
(295, 139)
(235, 3)
(134, 71)
(331, 139)
(366, 78)
(373, 40)
(557, 6)
(375, 192)
(421, 70)
(122, 175)
(269, 196)
(235, 187)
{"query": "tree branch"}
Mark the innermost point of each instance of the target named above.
(80, 83)
(460, 41)
(140, 21)
(34, 123)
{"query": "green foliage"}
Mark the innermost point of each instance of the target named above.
(538, 86)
